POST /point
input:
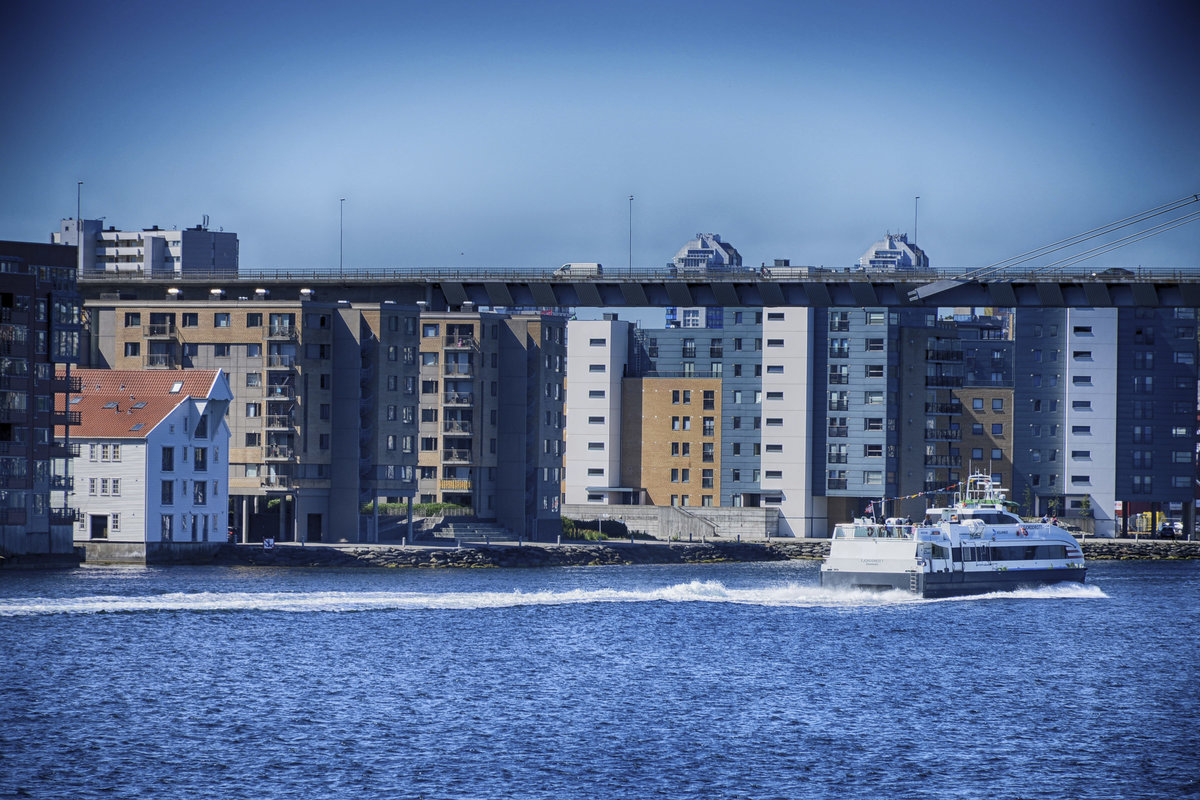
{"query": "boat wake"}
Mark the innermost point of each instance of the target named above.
(786, 595)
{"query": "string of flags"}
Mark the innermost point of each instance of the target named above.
(871, 505)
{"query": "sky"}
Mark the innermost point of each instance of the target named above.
(504, 134)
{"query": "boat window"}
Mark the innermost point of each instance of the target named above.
(1029, 552)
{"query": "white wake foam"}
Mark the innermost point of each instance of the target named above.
(794, 595)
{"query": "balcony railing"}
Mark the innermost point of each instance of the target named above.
(944, 381)
(64, 516)
(159, 361)
(66, 417)
(460, 342)
(942, 435)
(839, 352)
(458, 426)
(836, 483)
(943, 355)
(943, 408)
(280, 390)
(459, 370)
(838, 431)
(455, 484)
(62, 483)
(838, 458)
(459, 398)
(943, 461)
(280, 361)
(279, 421)
(460, 456)
(159, 329)
(278, 452)
(281, 332)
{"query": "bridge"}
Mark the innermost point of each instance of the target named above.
(451, 288)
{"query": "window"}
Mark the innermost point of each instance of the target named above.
(873, 477)
(873, 450)
(874, 345)
(200, 493)
(200, 459)
(976, 428)
(168, 493)
(133, 319)
(1079, 480)
(596, 394)
(596, 367)
(774, 369)
(873, 371)
(1081, 430)
(997, 404)
(253, 439)
(997, 429)
(997, 454)
(595, 420)
(254, 319)
(977, 403)
(192, 320)
(597, 342)
(1082, 330)
(873, 398)
(133, 349)
(1081, 405)
(873, 424)
(253, 379)
(253, 409)
(221, 350)
(595, 445)
(221, 320)
(774, 342)
(875, 317)
(977, 453)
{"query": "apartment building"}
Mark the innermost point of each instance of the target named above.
(339, 405)
(490, 437)
(152, 251)
(1104, 412)
(152, 478)
(39, 330)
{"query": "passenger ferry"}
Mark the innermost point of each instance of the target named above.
(973, 547)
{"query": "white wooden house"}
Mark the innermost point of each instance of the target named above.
(152, 475)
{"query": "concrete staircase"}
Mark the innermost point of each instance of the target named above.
(462, 533)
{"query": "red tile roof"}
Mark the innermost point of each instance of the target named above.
(128, 389)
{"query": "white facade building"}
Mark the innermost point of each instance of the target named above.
(597, 351)
(153, 468)
(707, 253)
(152, 251)
(787, 431)
(1091, 413)
(894, 251)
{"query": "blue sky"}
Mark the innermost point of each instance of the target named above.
(512, 134)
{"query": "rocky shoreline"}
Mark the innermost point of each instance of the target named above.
(606, 554)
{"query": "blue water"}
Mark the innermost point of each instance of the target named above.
(718, 681)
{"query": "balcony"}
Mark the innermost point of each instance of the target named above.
(62, 483)
(57, 449)
(943, 408)
(943, 435)
(838, 431)
(17, 449)
(289, 332)
(456, 456)
(458, 370)
(943, 355)
(839, 352)
(943, 461)
(159, 361)
(66, 417)
(460, 343)
(455, 484)
(280, 361)
(159, 330)
(458, 398)
(836, 483)
(458, 426)
(279, 421)
(280, 391)
(278, 452)
(944, 381)
(61, 383)
(64, 516)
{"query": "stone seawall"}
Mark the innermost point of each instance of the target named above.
(599, 554)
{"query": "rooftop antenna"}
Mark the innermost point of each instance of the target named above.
(916, 200)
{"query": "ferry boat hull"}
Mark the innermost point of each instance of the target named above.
(951, 584)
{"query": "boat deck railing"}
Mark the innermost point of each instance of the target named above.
(869, 530)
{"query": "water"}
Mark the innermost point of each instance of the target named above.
(720, 681)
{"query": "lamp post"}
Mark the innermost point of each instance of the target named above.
(631, 235)
(916, 200)
(341, 219)
(79, 226)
